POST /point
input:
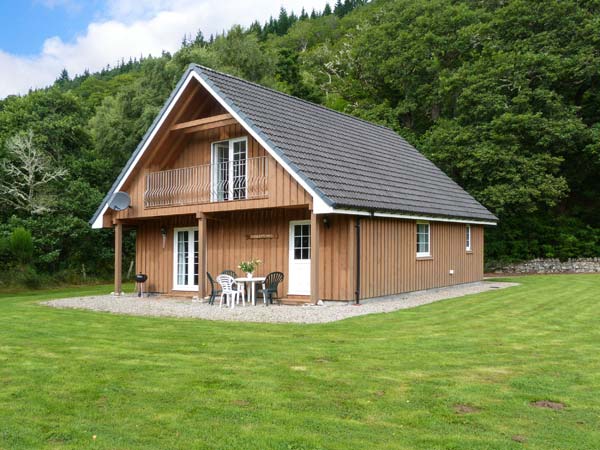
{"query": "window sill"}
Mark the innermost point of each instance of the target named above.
(424, 258)
(469, 252)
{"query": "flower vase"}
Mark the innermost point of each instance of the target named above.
(249, 274)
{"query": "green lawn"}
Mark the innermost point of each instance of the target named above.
(380, 381)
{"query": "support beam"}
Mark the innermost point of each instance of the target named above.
(315, 243)
(209, 126)
(202, 266)
(118, 257)
(203, 121)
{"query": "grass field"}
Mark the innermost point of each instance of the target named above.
(381, 381)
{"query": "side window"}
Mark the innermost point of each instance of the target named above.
(423, 241)
(468, 238)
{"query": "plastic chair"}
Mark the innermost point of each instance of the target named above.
(213, 289)
(270, 286)
(228, 290)
(241, 286)
(231, 273)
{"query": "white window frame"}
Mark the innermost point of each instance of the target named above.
(293, 223)
(426, 254)
(215, 169)
(190, 264)
(469, 238)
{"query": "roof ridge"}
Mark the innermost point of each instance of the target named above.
(350, 116)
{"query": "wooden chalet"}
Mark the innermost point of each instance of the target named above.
(346, 209)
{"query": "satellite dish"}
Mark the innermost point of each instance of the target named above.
(120, 201)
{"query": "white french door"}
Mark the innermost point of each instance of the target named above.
(299, 263)
(230, 176)
(185, 259)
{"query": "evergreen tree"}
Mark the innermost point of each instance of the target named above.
(339, 9)
(199, 39)
(283, 22)
(63, 79)
(256, 28)
(327, 10)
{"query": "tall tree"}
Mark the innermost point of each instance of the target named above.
(27, 173)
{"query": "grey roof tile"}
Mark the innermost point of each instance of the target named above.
(352, 162)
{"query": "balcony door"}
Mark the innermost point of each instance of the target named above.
(185, 256)
(229, 170)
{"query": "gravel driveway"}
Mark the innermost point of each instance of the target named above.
(178, 307)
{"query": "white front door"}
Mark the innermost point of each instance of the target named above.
(299, 266)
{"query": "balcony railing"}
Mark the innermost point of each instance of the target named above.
(220, 182)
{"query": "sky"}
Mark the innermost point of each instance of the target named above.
(38, 38)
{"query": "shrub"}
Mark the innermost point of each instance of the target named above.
(21, 245)
(29, 278)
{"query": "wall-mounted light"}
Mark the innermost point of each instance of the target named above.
(326, 222)
(163, 232)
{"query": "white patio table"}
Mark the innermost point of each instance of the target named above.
(252, 281)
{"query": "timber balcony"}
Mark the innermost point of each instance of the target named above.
(241, 179)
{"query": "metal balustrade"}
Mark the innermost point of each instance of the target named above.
(220, 182)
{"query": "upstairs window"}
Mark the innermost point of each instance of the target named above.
(423, 247)
(468, 237)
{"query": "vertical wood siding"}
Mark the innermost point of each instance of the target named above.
(389, 264)
(337, 258)
(388, 251)
(228, 244)
(283, 189)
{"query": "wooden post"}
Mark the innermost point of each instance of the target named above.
(118, 257)
(202, 238)
(315, 237)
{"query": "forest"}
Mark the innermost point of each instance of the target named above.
(502, 95)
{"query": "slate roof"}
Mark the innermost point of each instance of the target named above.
(350, 163)
(353, 163)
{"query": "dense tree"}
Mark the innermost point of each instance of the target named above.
(501, 95)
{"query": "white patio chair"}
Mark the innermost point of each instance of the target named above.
(228, 290)
(241, 287)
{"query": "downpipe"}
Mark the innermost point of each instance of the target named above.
(357, 291)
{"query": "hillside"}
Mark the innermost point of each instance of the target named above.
(501, 95)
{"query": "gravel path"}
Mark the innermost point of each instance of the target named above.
(178, 307)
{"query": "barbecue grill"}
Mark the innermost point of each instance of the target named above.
(140, 279)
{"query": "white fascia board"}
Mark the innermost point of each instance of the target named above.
(319, 205)
(433, 219)
(99, 220)
(330, 210)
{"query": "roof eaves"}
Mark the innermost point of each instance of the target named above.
(138, 149)
(373, 211)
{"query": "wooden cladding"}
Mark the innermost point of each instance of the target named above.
(337, 257)
(228, 244)
(281, 188)
(389, 264)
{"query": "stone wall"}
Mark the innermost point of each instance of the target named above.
(575, 265)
